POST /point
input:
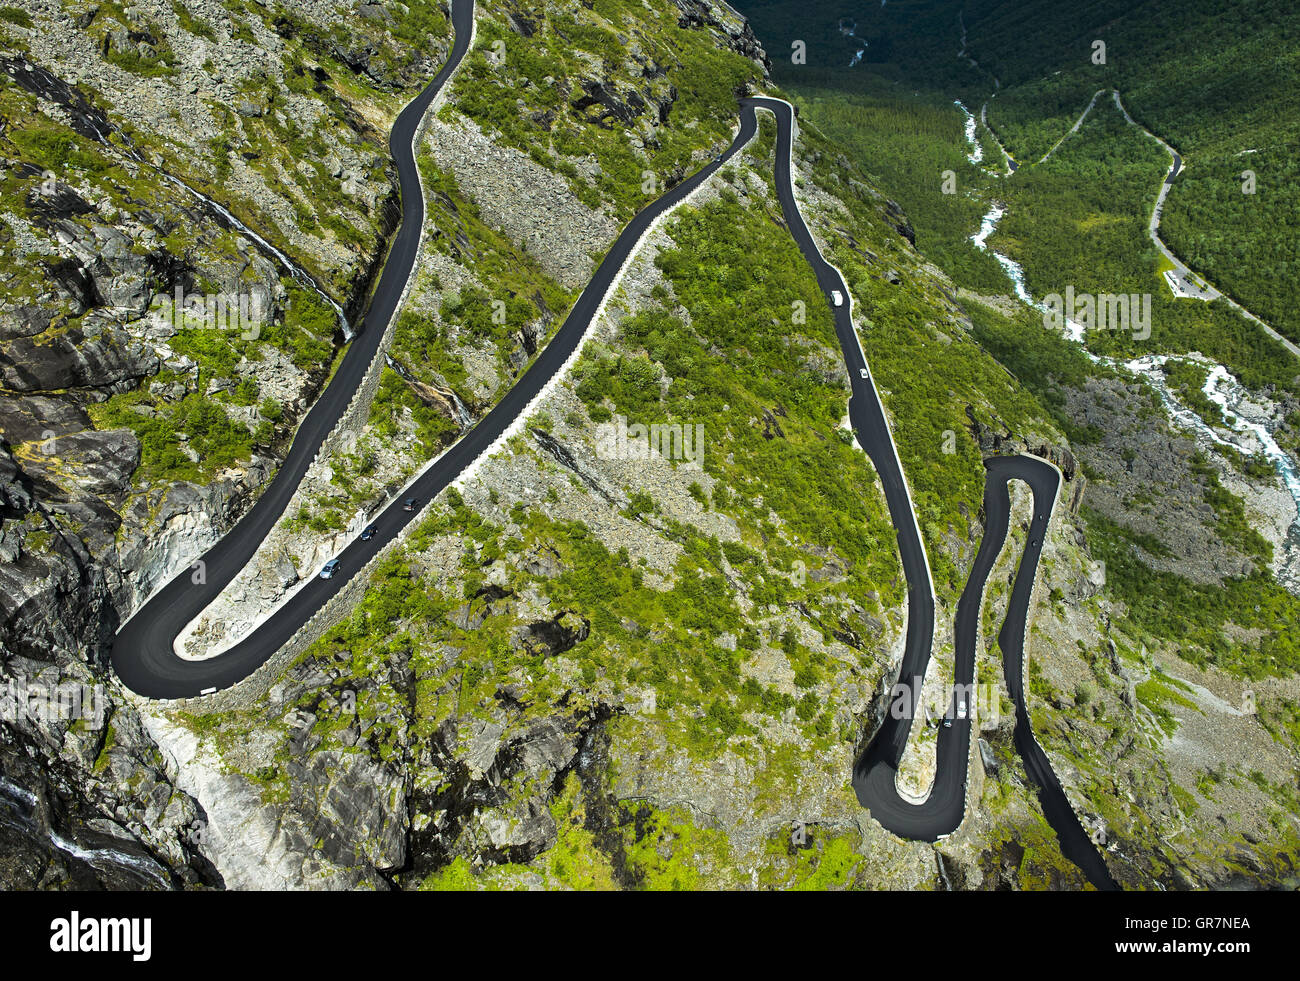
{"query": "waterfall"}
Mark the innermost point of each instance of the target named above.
(464, 418)
(943, 870)
(20, 809)
(296, 272)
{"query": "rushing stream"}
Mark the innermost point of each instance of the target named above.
(976, 150)
(463, 417)
(1248, 431)
(296, 272)
(225, 217)
(1250, 428)
(21, 810)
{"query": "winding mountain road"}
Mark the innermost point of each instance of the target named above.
(144, 653)
(874, 775)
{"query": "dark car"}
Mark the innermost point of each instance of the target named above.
(329, 569)
(410, 503)
(369, 533)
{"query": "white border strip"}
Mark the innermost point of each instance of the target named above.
(513, 429)
(344, 422)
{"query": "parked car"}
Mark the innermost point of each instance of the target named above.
(410, 503)
(837, 298)
(369, 533)
(328, 570)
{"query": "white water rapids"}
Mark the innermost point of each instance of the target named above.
(1250, 427)
(976, 150)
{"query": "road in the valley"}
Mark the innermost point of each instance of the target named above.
(1073, 129)
(1011, 164)
(1183, 282)
(144, 655)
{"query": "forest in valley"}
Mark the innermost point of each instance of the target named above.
(1213, 80)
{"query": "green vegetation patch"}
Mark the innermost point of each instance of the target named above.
(639, 55)
(1192, 617)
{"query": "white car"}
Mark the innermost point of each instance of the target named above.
(961, 710)
(837, 298)
(863, 373)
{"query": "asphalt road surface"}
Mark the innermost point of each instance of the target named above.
(143, 651)
(942, 812)
(1043, 479)
(875, 772)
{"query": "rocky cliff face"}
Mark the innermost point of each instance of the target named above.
(588, 669)
(117, 125)
(147, 157)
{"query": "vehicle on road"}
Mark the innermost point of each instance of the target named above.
(961, 710)
(327, 571)
(863, 373)
(369, 533)
(837, 298)
(410, 503)
(947, 721)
